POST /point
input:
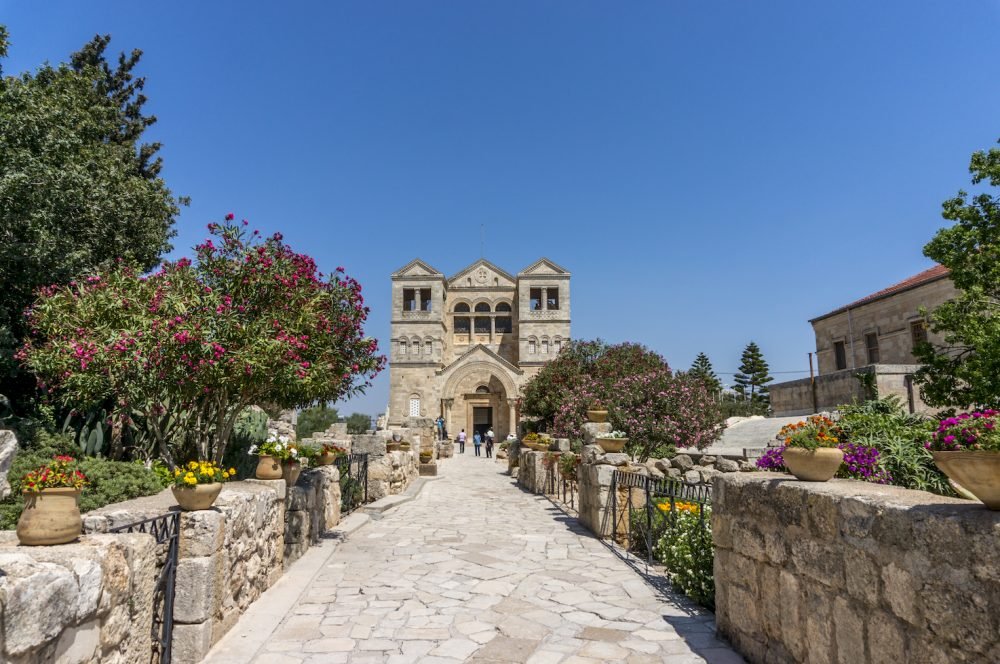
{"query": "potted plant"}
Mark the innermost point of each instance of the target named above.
(275, 454)
(568, 463)
(811, 451)
(597, 412)
(967, 449)
(51, 512)
(329, 453)
(531, 440)
(405, 446)
(394, 445)
(197, 485)
(613, 441)
(426, 456)
(550, 460)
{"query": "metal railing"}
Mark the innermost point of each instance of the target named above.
(166, 530)
(353, 481)
(560, 486)
(641, 508)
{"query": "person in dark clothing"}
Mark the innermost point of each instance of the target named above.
(489, 444)
(477, 441)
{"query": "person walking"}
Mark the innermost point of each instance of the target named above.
(440, 427)
(489, 443)
(461, 442)
(477, 441)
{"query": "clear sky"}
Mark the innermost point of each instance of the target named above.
(710, 172)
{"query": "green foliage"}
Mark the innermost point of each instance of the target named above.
(78, 190)
(685, 549)
(315, 418)
(250, 429)
(545, 393)
(90, 430)
(358, 423)
(900, 438)
(702, 368)
(110, 481)
(963, 370)
(730, 407)
(752, 379)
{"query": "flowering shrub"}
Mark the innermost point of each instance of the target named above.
(968, 431)
(568, 463)
(182, 352)
(61, 473)
(572, 413)
(862, 462)
(685, 549)
(660, 411)
(201, 472)
(279, 447)
(817, 431)
(772, 460)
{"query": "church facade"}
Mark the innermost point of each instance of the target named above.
(463, 346)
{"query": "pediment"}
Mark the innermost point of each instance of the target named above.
(543, 267)
(417, 268)
(480, 353)
(481, 274)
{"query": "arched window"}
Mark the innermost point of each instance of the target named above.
(532, 346)
(414, 405)
(482, 325)
(428, 346)
(482, 306)
(415, 344)
(482, 389)
(402, 346)
(557, 345)
(503, 324)
(462, 324)
(545, 346)
(461, 307)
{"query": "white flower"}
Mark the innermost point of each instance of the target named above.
(253, 450)
(279, 446)
(272, 436)
(284, 439)
(295, 453)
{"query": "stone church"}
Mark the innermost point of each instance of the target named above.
(463, 346)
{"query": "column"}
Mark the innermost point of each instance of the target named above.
(545, 299)
(447, 417)
(512, 422)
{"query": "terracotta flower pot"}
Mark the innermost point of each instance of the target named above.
(326, 459)
(197, 497)
(597, 415)
(268, 468)
(976, 471)
(290, 471)
(817, 465)
(51, 516)
(612, 444)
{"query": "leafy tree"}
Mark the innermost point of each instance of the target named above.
(358, 423)
(752, 379)
(185, 350)
(963, 371)
(661, 412)
(702, 368)
(78, 188)
(546, 391)
(315, 418)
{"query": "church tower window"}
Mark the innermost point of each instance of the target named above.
(536, 299)
(503, 323)
(409, 299)
(552, 297)
(425, 299)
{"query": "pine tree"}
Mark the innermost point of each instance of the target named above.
(753, 375)
(702, 368)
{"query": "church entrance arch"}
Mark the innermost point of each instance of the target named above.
(477, 398)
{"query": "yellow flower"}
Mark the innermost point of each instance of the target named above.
(225, 475)
(189, 479)
(192, 465)
(232, 471)
(177, 472)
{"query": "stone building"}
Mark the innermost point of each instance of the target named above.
(463, 346)
(875, 335)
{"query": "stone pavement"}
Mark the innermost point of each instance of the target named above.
(476, 570)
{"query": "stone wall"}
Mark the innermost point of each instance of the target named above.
(88, 601)
(852, 572)
(312, 507)
(794, 398)
(390, 474)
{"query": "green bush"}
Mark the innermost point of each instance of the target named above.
(685, 548)
(110, 481)
(899, 437)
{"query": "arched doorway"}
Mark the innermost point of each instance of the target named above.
(479, 398)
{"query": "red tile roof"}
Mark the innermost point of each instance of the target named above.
(927, 276)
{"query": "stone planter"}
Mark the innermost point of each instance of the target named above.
(394, 446)
(50, 516)
(405, 447)
(290, 471)
(817, 465)
(197, 497)
(426, 458)
(612, 444)
(598, 416)
(268, 468)
(326, 459)
(976, 471)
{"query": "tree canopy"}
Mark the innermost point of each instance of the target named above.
(78, 188)
(963, 370)
(702, 368)
(314, 419)
(752, 379)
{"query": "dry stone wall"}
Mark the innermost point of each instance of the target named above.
(853, 572)
(391, 474)
(312, 507)
(88, 601)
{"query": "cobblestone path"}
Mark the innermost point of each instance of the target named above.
(476, 570)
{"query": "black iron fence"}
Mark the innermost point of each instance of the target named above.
(353, 481)
(559, 484)
(166, 530)
(642, 509)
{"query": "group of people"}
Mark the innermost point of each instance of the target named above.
(477, 442)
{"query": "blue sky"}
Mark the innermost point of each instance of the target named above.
(710, 172)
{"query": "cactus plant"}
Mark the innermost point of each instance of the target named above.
(90, 430)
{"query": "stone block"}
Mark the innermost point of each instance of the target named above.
(615, 459)
(203, 532)
(792, 621)
(80, 644)
(561, 445)
(682, 461)
(849, 631)
(692, 477)
(8, 450)
(726, 465)
(277, 486)
(191, 642)
(591, 453)
(196, 588)
(663, 465)
(428, 470)
(372, 444)
(593, 430)
(886, 639)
